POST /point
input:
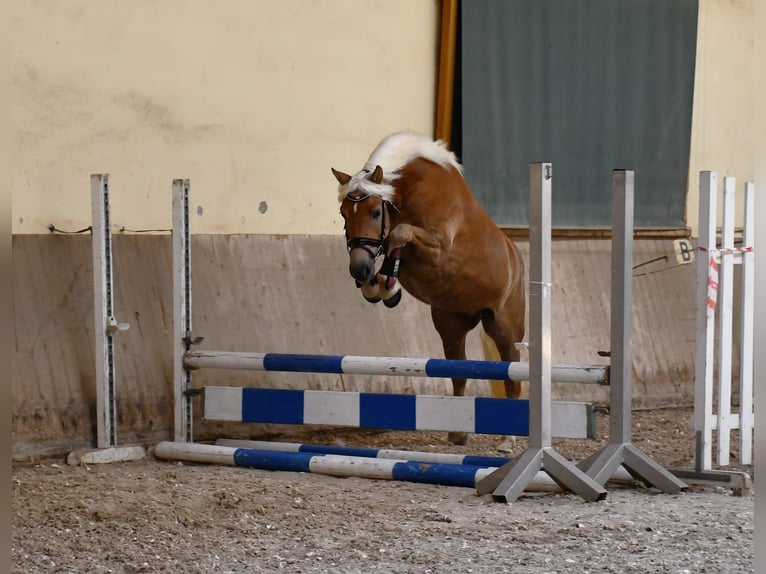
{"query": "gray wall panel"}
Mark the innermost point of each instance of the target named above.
(590, 85)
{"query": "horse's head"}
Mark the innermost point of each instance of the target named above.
(366, 221)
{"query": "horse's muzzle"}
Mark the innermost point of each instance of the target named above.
(361, 264)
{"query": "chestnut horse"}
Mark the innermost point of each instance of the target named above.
(410, 201)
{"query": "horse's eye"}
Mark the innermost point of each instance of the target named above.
(375, 214)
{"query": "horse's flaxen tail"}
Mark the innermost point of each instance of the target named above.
(492, 354)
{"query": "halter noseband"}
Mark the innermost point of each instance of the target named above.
(369, 243)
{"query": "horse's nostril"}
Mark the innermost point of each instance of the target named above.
(361, 266)
(360, 273)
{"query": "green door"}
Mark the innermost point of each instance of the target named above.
(589, 85)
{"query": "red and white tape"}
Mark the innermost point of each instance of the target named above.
(734, 250)
(712, 285)
(712, 275)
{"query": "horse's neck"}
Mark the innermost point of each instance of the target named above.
(424, 209)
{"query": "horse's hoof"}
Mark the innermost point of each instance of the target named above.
(457, 438)
(371, 292)
(393, 301)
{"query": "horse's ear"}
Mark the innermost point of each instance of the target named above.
(343, 178)
(377, 175)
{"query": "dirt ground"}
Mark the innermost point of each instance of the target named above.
(152, 516)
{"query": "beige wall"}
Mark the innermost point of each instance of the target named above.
(253, 100)
(723, 125)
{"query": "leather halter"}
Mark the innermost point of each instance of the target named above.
(368, 243)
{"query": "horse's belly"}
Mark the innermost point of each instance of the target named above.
(459, 293)
(457, 279)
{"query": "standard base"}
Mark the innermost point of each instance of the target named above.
(601, 465)
(740, 482)
(106, 455)
(509, 481)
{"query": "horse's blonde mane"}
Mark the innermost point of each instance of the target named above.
(392, 154)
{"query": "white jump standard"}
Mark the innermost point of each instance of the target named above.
(714, 300)
(106, 327)
(715, 294)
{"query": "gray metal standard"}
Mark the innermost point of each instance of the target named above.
(182, 317)
(509, 481)
(602, 464)
(105, 327)
(106, 433)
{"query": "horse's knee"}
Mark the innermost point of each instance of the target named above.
(399, 236)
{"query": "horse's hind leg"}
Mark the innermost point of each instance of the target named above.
(453, 328)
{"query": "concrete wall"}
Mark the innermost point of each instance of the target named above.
(278, 294)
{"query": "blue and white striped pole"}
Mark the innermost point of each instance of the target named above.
(382, 464)
(366, 452)
(329, 464)
(390, 366)
(482, 415)
(541, 481)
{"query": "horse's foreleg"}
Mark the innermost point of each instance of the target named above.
(506, 331)
(389, 287)
(427, 244)
(505, 335)
(512, 388)
(452, 329)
